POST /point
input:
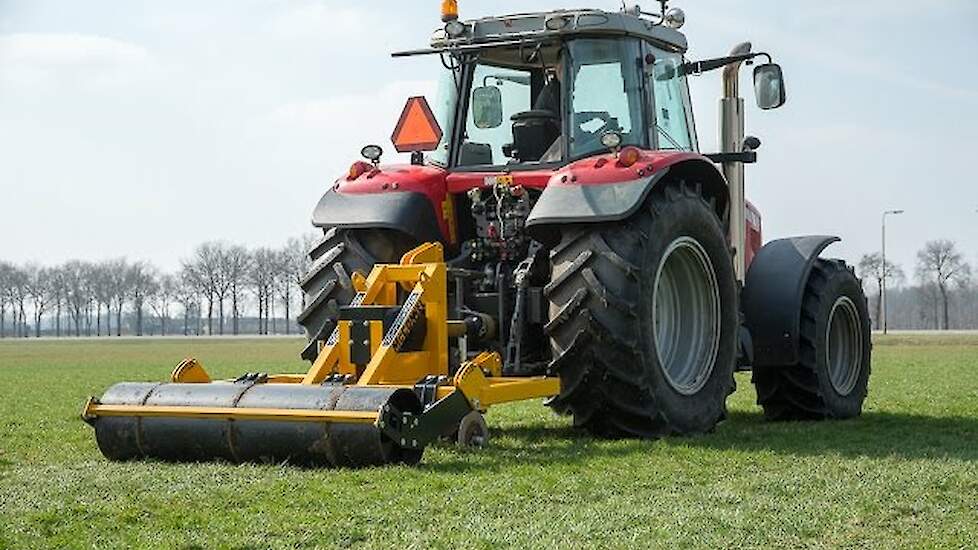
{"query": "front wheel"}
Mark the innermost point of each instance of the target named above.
(832, 377)
(643, 319)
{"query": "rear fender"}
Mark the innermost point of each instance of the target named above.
(589, 191)
(409, 212)
(773, 294)
(407, 198)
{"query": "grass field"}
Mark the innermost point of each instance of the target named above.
(905, 474)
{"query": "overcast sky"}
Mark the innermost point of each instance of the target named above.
(142, 128)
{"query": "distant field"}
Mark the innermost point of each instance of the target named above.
(905, 475)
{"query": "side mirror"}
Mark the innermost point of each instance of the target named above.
(769, 86)
(487, 107)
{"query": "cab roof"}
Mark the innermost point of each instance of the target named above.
(515, 28)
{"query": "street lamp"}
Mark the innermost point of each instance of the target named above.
(883, 269)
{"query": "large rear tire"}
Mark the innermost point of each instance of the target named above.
(832, 377)
(643, 319)
(328, 285)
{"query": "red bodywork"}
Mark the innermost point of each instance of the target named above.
(438, 184)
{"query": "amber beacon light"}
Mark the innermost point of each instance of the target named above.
(449, 10)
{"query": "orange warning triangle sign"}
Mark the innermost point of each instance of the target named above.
(417, 129)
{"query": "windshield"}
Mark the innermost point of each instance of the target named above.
(606, 94)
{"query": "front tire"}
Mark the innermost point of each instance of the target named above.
(832, 377)
(643, 319)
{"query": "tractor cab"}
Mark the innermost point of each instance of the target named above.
(526, 91)
(545, 89)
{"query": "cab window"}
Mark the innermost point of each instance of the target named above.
(487, 133)
(668, 83)
(606, 94)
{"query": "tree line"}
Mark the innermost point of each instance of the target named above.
(940, 296)
(221, 288)
(227, 288)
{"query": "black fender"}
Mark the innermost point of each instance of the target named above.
(610, 202)
(773, 293)
(409, 212)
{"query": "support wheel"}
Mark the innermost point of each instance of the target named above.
(643, 319)
(832, 377)
(472, 431)
(328, 285)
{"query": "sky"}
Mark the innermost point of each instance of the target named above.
(142, 128)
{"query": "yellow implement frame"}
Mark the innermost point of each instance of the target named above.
(422, 277)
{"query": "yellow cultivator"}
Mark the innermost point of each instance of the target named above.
(383, 386)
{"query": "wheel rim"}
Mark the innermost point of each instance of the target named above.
(843, 345)
(686, 315)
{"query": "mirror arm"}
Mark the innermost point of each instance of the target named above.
(746, 157)
(707, 65)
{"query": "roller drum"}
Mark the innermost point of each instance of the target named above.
(308, 443)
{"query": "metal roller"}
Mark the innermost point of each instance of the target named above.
(199, 439)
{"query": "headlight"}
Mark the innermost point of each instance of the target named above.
(454, 29)
(557, 22)
(674, 18)
(372, 153)
(611, 140)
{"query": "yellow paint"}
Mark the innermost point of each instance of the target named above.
(190, 371)
(448, 213)
(231, 413)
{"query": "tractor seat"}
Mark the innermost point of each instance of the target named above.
(533, 133)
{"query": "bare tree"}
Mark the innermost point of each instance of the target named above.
(294, 264)
(6, 291)
(941, 264)
(75, 273)
(37, 287)
(59, 296)
(189, 296)
(872, 266)
(91, 287)
(102, 293)
(116, 272)
(235, 262)
(164, 293)
(141, 278)
(18, 298)
(205, 269)
(262, 276)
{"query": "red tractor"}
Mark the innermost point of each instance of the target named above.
(563, 175)
(556, 234)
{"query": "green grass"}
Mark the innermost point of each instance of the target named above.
(905, 474)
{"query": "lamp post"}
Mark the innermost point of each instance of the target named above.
(884, 270)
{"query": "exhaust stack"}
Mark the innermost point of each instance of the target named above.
(731, 141)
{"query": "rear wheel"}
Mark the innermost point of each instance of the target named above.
(328, 285)
(832, 376)
(643, 319)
